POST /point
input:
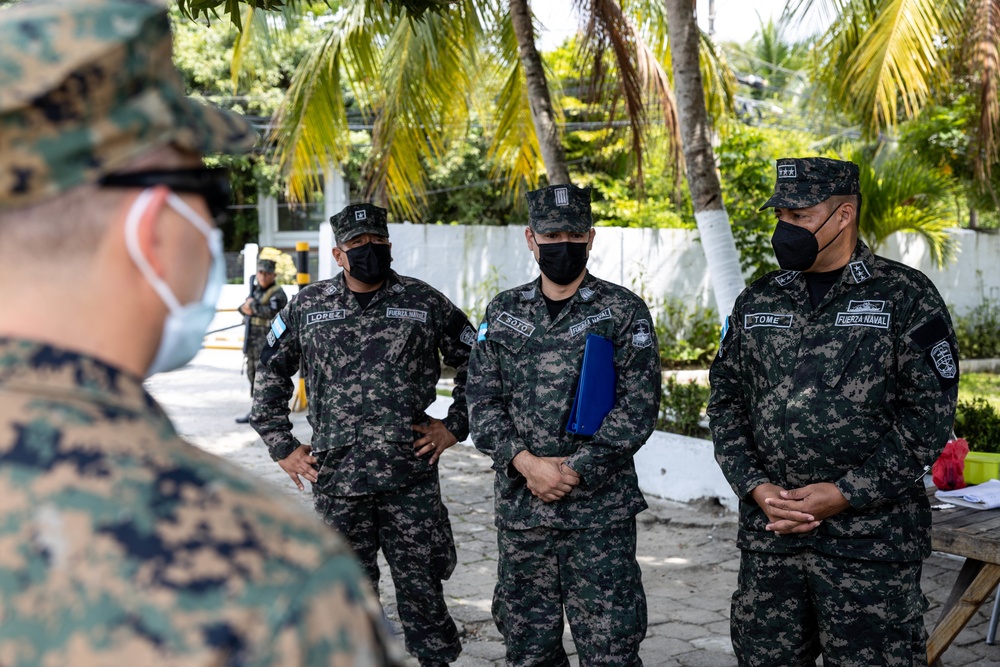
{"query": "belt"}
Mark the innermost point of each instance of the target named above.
(259, 322)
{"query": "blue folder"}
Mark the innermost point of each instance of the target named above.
(595, 394)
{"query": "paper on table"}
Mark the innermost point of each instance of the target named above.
(985, 496)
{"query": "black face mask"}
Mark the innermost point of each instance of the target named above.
(562, 263)
(370, 262)
(796, 248)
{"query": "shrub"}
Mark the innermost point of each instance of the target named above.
(681, 408)
(978, 422)
(978, 333)
(688, 337)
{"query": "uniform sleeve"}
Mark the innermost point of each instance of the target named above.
(334, 618)
(729, 419)
(455, 343)
(926, 395)
(493, 430)
(637, 402)
(272, 306)
(273, 388)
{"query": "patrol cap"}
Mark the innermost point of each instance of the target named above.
(559, 208)
(266, 265)
(358, 219)
(807, 181)
(86, 86)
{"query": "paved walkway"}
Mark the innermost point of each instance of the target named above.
(687, 551)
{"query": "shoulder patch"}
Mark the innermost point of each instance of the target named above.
(641, 334)
(941, 354)
(468, 336)
(278, 328)
(722, 336)
(483, 328)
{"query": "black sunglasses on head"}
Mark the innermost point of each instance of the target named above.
(210, 183)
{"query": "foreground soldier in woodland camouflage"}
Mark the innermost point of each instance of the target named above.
(123, 545)
(833, 392)
(369, 342)
(565, 504)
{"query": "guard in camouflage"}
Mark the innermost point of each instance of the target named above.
(265, 301)
(370, 342)
(124, 545)
(565, 504)
(833, 392)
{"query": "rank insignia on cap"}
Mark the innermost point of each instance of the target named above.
(360, 215)
(562, 197)
(786, 171)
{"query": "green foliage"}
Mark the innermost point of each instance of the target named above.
(284, 266)
(980, 385)
(682, 405)
(483, 292)
(746, 158)
(978, 422)
(978, 333)
(461, 192)
(688, 336)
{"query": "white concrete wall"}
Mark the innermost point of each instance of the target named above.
(680, 468)
(460, 259)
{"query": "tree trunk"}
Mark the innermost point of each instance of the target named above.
(538, 95)
(703, 181)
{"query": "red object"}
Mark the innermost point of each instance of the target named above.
(947, 470)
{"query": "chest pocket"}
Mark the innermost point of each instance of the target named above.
(860, 371)
(325, 335)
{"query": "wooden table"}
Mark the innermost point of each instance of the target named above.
(974, 534)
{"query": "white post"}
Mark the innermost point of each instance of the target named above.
(249, 263)
(325, 251)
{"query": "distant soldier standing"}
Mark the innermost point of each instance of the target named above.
(123, 544)
(370, 340)
(265, 301)
(833, 393)
(565, 504)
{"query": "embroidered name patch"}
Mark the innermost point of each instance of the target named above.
(520, 326)
(786, 277)
(406, 314)
(590, 321)
(863, 319)
(779, 320)
(468, 336)
(325, 316)
(641, 334)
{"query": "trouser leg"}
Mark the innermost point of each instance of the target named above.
(417, 542)
(603, 594)
(527, 600)
(356, 518)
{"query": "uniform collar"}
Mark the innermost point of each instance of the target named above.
(338, 285)
(860, 269)
(36, 367)
(587, 291)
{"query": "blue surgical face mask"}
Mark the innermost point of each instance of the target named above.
(185, 325)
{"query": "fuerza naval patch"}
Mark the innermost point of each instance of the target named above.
(406, 314)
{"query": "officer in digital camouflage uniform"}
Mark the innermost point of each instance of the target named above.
(265, 301)
(370, 341)
(565, 504)
(124, 545)
(832, 394)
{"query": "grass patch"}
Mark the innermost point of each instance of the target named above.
(980, 385)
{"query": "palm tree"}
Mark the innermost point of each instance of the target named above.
(885, 60)
(900, 194)
(703, 180)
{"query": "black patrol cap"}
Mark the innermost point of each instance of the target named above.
(266, 265)
(807, 181)
(358, 219)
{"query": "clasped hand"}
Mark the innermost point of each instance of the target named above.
(792, 511)
(547, 476)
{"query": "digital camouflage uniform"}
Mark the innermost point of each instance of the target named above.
(370, 374)
(265, 304)
(579, 551)
(122, 544)
(859, 392)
